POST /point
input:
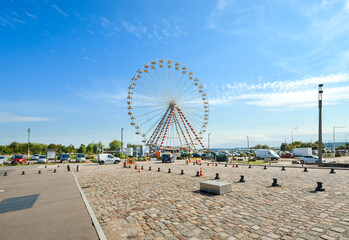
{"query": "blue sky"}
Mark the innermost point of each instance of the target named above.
(66, 66)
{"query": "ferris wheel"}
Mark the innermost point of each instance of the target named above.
(168, 106)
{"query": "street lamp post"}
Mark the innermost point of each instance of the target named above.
(321, 90)
(122, 140)
(29, 131)
(209, 141)
(292, 132)
(248, 143)
(334, 142)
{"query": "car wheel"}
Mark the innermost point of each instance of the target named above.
(115, 162)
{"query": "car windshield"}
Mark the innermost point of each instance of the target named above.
(18, 156)
(65, 155)
(80, 155)
(42, 156)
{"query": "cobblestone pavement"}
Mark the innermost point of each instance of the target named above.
(162, 205)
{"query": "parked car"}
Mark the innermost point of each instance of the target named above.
(80, 157)
(16, 159)
(310, 159)
(107, 158)
(287, 155)
(266, 154)
(206, 156)
(3, 160)
(42, 159)
(167, 157)
(35, 157)
(65, 157)
(196, 155)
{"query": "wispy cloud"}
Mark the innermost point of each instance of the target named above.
(286, 94)
(31, 15)
(8, 117)
(59, 10)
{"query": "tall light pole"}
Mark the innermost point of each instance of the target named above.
(334, 142)
(29, 131)
(248, 143)
(122, 140)
(209, 141)
(292, 132)
(321, 90)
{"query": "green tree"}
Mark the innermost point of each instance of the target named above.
(341, 147)
(52, 146)
(129, 145)
(115, 144)
(82, 149)
(283, 146)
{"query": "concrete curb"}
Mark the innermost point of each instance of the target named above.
(95, 222)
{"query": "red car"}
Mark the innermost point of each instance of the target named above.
(287, 155)
(18, 159)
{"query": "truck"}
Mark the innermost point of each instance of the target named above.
(299, 152)
(266, 154)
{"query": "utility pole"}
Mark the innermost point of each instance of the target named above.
(321, 90)
(292, 132)
(248, 143)
(29, 131)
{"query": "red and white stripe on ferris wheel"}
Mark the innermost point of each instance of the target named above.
(181, 115)
(168, 125)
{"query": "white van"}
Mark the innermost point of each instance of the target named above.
(107, 158)
(266, 154)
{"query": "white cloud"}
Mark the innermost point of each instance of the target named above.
(8, 117)
(59, 10)
(286, 94)
(347, 6)
(31, 15)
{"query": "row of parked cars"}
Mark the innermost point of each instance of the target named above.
(22, 159)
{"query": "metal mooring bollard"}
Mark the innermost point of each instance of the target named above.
(149, 168)
(23, 172)
(208, 164)
(249, 166)
(242, 178)
(39, 172)
(275, 183)
(226, 165)
(182, 172)
(45, 166)
(142, 168)
(125, 164)
(169, 170)
(197, 173)
(332, 170)
(305, 169)
(129, 166)
(236, 165)
(217, 176)
(5, 173)
(265, 167)
(283, 169)
(58, 166)
(54, 170)
(77, 168)
(216, 165)
(68, 168)
(319, 187)
(136, 167)
(158, 169)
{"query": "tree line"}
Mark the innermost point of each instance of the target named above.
(40, 148)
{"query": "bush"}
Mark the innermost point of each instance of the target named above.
(188, 155)
(179, 157)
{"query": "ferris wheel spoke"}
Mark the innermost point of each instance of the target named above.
(154, 81)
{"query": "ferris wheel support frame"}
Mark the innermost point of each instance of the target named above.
(168, 125)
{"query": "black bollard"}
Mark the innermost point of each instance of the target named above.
(216, 165)
(45, 166)
(332, 170)
(208, 164)
(23, 172)
(197, 173)
(242, 178)
(142, 168)
(226, 165)
(39, 172)
(169, 170)
(129, 166)
(265, 167)
(193, 163)
(5, 173)
(124, 164)
(249, 166)
(275, 183)
(149, 168)
(283, 169)
(319, 187)
(158, 169)
(135, 167)
(54, 170)
(217, 176)
(68, 168)
(77, 168)
(236, 165)
(305, 169)
(182, 172)
(57, 165)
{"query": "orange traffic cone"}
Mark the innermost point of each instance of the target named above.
(233, 164)
(201, 172)
(139, 169)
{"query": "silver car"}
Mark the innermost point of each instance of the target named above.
(80, 157)
(35, 157)
(42, 159)
(310, 159)
(3, 160)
